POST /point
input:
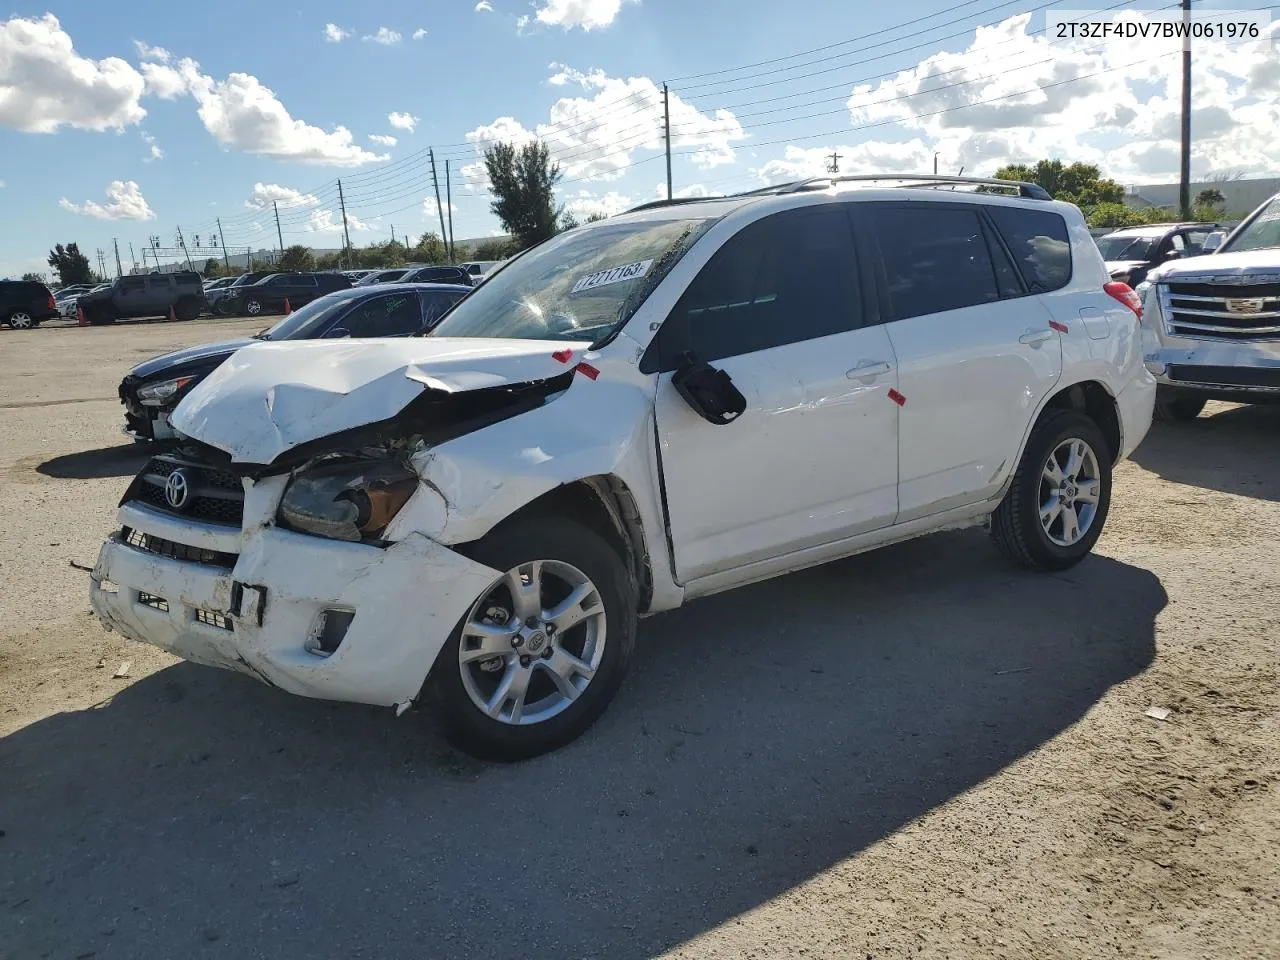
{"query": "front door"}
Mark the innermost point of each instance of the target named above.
(780, 308)
(976, 354)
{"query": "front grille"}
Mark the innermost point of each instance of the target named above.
(215, 495)
(1222, 311)
(211, 619)
(154, 602)
(1257, 377)
(176, 551)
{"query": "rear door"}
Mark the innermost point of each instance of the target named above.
(781, 308)
(304, 289)
(975, 351)
(133, 297)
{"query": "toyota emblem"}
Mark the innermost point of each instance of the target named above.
(177, 489)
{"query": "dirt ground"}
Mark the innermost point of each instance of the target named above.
(915, 753)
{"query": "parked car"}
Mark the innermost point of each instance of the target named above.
(145, 295)
(354, 275)
(218, 303)
(72, 290)
(65, 300)
(427, 274)
(1212, 324)
(272, 292)
(479, 269)
(24, 303)
(1132, 252)
(216, 290)
(679, 400)
(152, 389)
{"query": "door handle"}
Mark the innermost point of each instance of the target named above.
(867, 369)
(1035, 337)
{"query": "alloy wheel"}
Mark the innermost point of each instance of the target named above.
(1070, 489)
(20, 320)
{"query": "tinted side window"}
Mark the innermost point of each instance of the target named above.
(789, 277)
(131, 284)
(1039, 243)
(935, 258)
(305, 280)
(395, 316)
(435, 305)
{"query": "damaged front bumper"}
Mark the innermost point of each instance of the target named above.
(266, 616)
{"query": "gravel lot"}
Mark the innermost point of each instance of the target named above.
(915, 753)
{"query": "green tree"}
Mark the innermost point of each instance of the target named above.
(523, 183)
(1079, 183)
(1210, 197)
(497, 249)
(430, 249)
(33, 277)
(568, 221)
(70, 265)
(596, 217)
(297, 259)
(329, 261)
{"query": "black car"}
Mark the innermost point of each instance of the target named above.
(180, 295)
(24, 303)
(152, 389)
(433, 274)
(1133, 252)
(280, 292)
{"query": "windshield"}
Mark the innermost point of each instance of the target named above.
(307, 321)
(1121, 247)
(580, 285)
(1261, 233)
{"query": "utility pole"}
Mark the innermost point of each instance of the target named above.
(346, 234)
(134, 257)
(183, 244)
(935, 164)
(280, 236)
(102, 265)
(1184, 185)
(448, 199)
(119, 269)
(834, 165)
(666, 127)
(444, 236)
(223, 240)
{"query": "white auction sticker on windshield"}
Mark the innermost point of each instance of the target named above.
(613, 275)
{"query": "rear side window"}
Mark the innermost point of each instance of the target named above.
(137, 283)
(1039, 243)
(935, 258)
(783, 279)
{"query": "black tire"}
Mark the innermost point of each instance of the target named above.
(506, 547)
(253, 307)
(187, 308)
(21, 320)
(1015, 525)
(1177, 409)
(100, 315)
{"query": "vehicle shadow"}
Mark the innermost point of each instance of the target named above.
(763, 736)
(122, 460)
(1210, 451)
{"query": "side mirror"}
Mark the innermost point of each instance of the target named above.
(337, 333)
(710, 392)
(1213, 241)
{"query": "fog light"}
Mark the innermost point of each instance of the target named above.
(328, 631)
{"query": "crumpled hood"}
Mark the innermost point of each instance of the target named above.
(1221, 264)
(270, 397)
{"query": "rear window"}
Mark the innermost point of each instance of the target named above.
(1039, 243)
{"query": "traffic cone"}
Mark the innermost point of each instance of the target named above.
(172, 315)
(81, 319)
(287, 309)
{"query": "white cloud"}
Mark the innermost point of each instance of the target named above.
(385, 36)
(163, 81)
(148, 52)
(334, 33)
(124, 202)
(587, 14)
(243, 114)
(419, 33)
(153, 150)
(3, 184)
(593, 139)
(328, 221)
(431, 210)
(383, 140)
(264, 194)
(484, 6)
(402, 121)
(45, 84)
(586, 204)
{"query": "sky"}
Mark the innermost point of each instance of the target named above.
(122, 122)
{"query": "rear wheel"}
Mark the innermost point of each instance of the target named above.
(1177, 409)
(253, 307)
(543, 650)
(187, 308)
(21, 320)
(1058, 502)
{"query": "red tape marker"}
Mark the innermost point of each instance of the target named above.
(896, 397)
(1060, 327)
(587, 370)
(564, 356)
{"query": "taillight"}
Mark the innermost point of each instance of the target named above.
(53, 304)
(1126, 295)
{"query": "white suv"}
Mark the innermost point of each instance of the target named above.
(641, 411)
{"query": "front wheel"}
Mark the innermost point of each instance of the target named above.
(21, 320)
(1057, 504)
(543, 650)
(1177, 409)
(253, 307)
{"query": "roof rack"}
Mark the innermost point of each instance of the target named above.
(1030, 191)
(654, 204)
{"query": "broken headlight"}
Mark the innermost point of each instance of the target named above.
(352, 500)
(158, 394)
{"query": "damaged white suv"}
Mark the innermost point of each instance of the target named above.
(667, 404)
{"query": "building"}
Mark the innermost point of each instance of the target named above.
(1239, 196)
